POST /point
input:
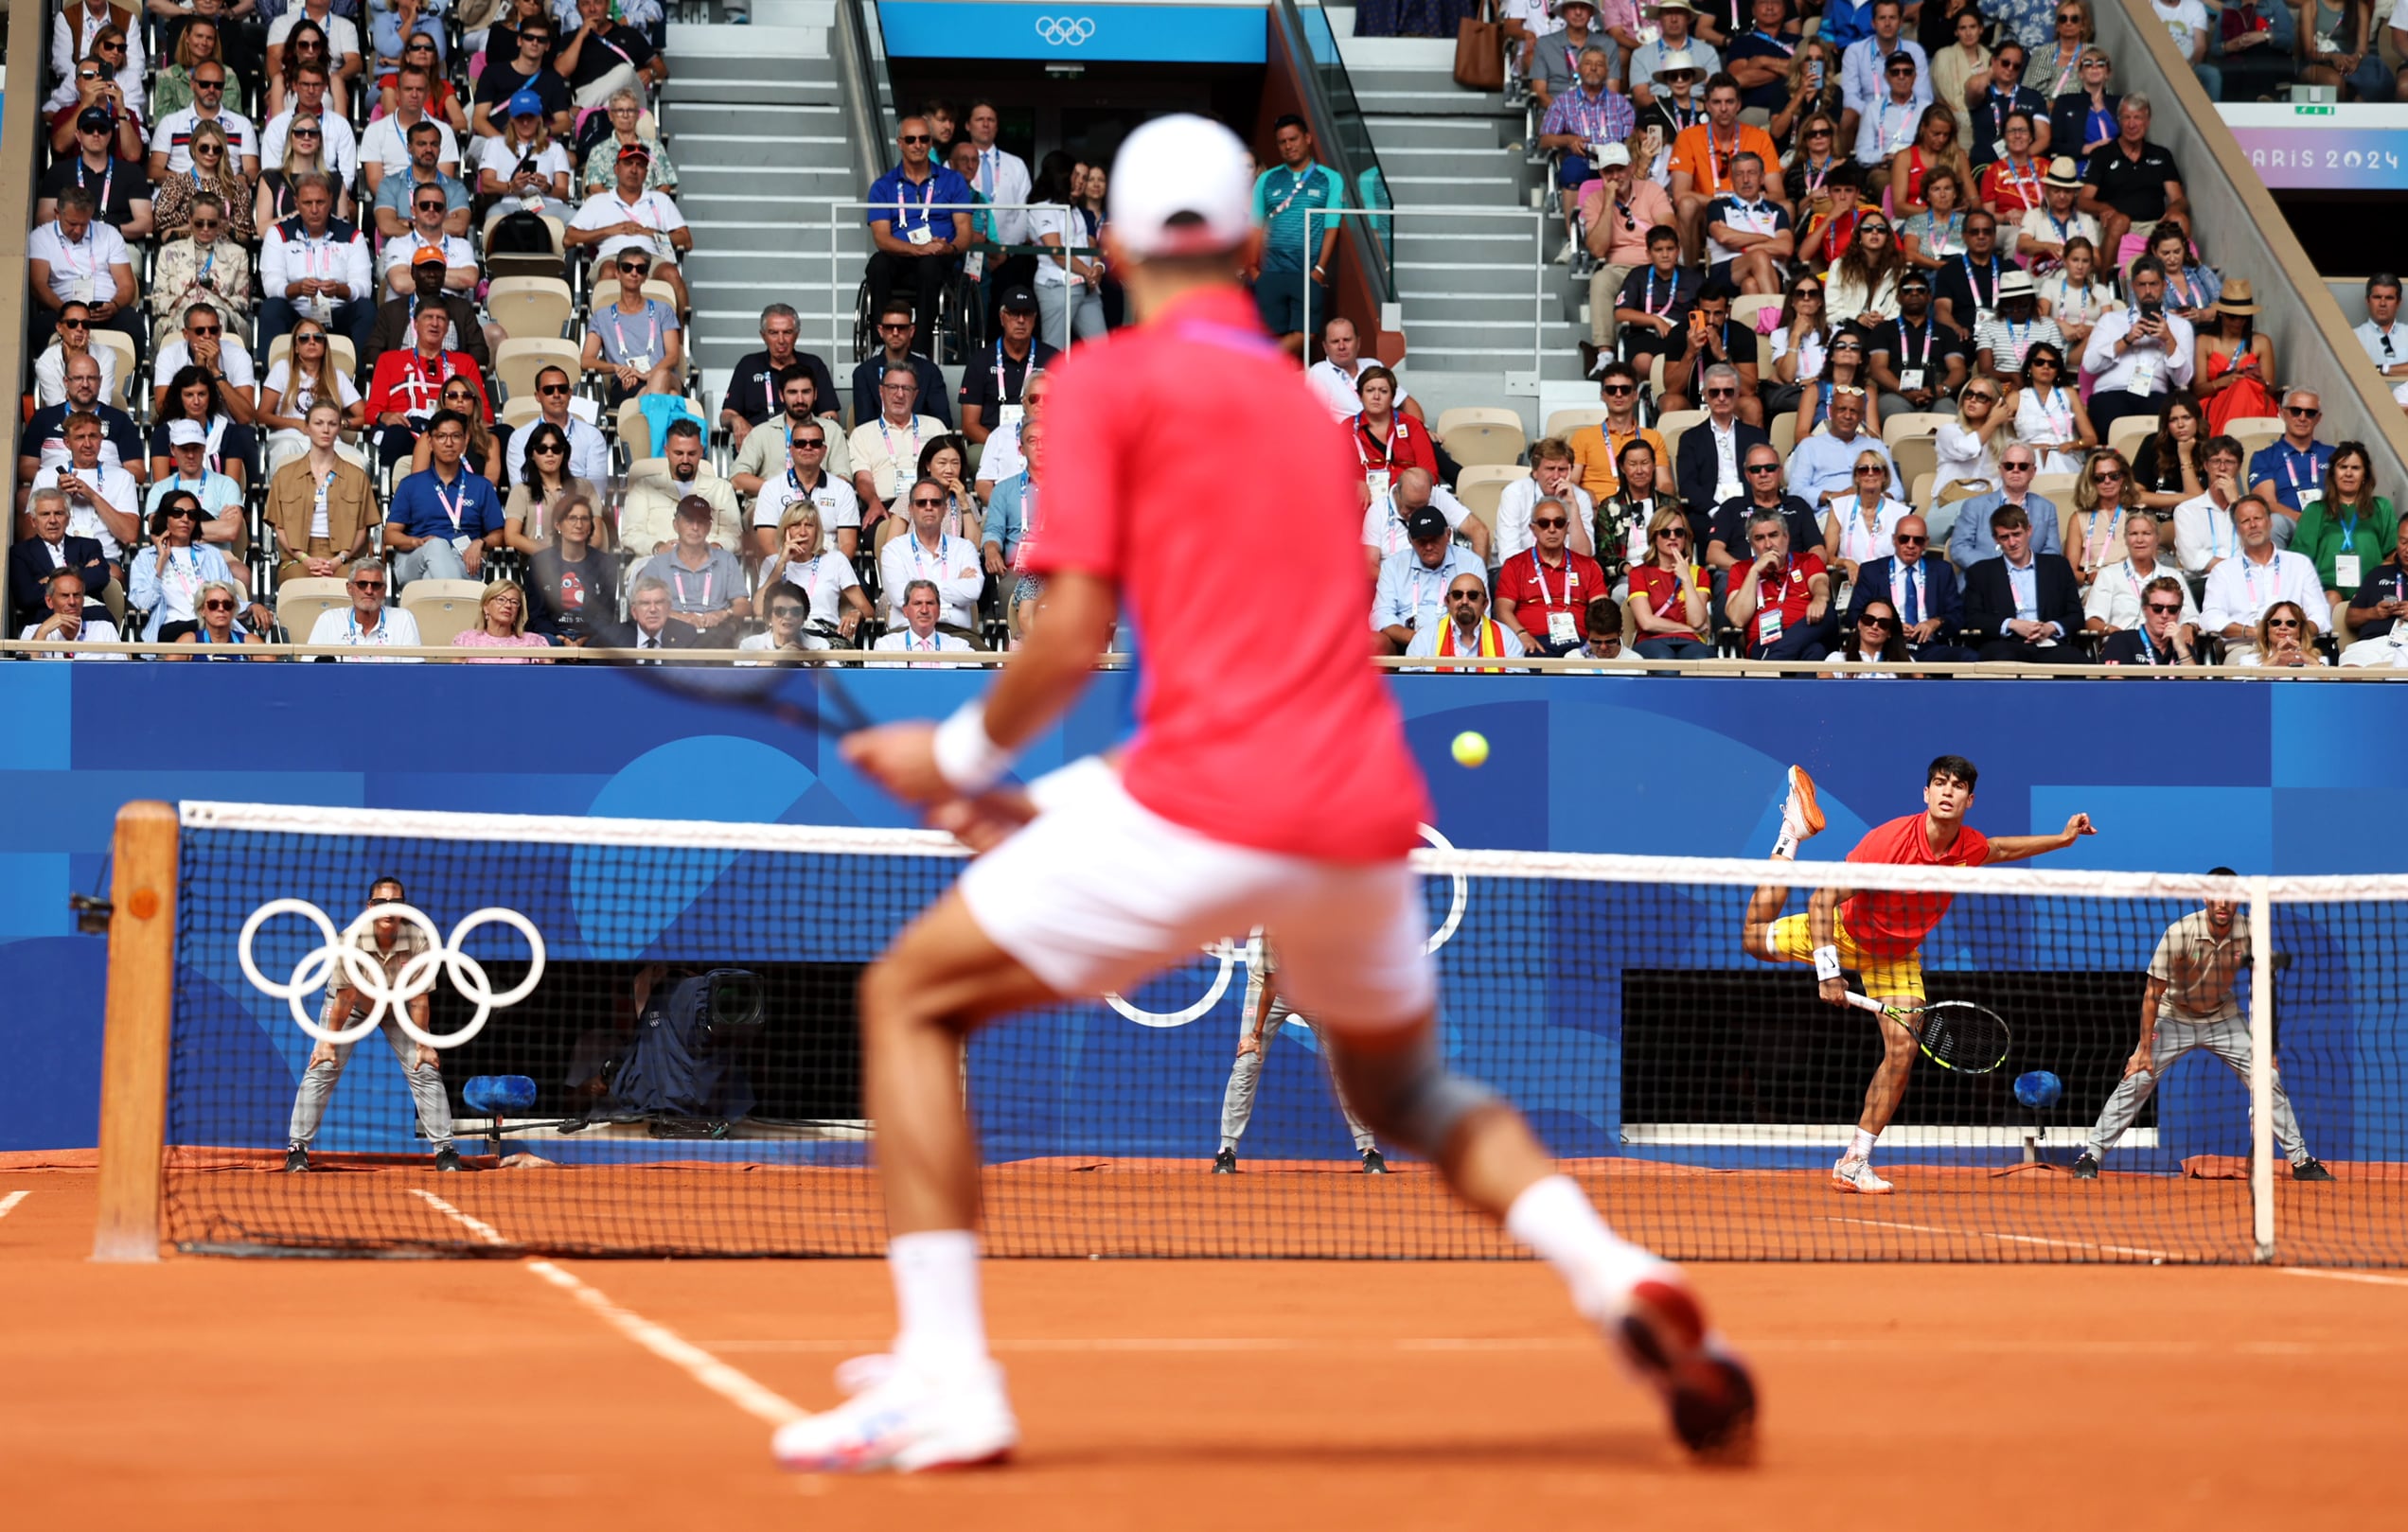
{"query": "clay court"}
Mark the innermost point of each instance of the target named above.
(368, 1394)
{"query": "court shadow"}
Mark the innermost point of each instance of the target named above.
(1627, 1451)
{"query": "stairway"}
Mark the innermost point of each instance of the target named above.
(754, 121)
(1468, 287)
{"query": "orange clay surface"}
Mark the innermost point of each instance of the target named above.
(362, 1395)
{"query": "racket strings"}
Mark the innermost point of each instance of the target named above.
(1965, 1036)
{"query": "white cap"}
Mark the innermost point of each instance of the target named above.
(186, 433)
(1612, 154)
(1181, 165)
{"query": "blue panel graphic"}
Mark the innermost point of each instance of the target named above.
(1196, 34)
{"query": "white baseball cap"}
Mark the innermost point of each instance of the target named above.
(1182, 167)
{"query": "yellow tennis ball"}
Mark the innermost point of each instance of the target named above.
(1471, 749)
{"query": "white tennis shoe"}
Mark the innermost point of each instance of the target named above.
(1854, 1174)
(1801, 817)
(902, 1419)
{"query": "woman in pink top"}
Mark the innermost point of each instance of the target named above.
(502, 624)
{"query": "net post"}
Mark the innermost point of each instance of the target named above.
(134, 1060)
(2262, 1071)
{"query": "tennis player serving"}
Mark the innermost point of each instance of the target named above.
(1265, 784)
(1876, 933)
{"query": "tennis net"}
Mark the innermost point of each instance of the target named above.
(664, 1060)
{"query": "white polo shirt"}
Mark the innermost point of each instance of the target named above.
(80, 271)
(1336, 386)
(2116, 596)
(2203, 531)
(2240, 590)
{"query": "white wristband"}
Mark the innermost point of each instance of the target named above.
(1826, 964)
(966, 758)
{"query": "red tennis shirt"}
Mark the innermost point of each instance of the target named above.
(1890, 922)
(1189, 463)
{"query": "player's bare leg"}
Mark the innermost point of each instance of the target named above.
(937, 1400)
(1642, 1303)
(1855, 1172)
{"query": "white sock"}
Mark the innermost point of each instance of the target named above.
(1785, 844)
(941, 1325)
(1555, 1218)
(1860, 1147)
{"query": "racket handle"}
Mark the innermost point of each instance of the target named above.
(1865, 1002)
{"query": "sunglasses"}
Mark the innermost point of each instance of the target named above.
(431, 207)
(1677, 537)
(2300, 412)
(1909, 540)
(72, 323)
(917, 138)
(1906, 73)
(1617, 390)
(307, 336)
(304, 130)
(895, 325)
(786, 614)
(368, 585)
(2164, 611)
(2112, 476)
(209, 84)
(1984, 398)
(1819, 132)
(2282, 622)
(1720, 393)
(2069, 18)
(1764, 468)
(550, 448)
(810, 444)
(1465, 595)
(1547, 524)
(553, 388)
(924, 504)
(633, 268)
(1868, 620)
(202, 224)
(1873, 469)
(1804, 294)
(2017, 467)
(205, 334)
(87, 74)
(217, 605)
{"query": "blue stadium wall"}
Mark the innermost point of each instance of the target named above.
(2292, 779)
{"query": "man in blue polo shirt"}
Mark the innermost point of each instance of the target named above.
(919, 220)
(1283, 195)
(442, 521)
(2290, 468)
(1845, 22)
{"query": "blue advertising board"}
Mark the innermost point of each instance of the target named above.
(1079, 33)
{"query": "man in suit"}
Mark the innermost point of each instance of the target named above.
(649, 627)
(2024, 606)
(1707, 467)
(33, 561)
(1923, 588)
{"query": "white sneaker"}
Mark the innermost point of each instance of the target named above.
(1801, 817)
(1563, 257)
(902, 1419)
(1854, 1174)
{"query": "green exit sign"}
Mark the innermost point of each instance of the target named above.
(2311, 111)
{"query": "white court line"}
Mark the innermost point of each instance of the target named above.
(8, 1203)
(704, 1368)
(2368, 1277)
(2012, 1238)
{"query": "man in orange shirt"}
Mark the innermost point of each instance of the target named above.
(1700, 165)
(1877, 933)
(1597, 451)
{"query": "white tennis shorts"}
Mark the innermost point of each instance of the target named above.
(1098, 892)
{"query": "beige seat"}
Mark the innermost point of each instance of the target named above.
(1481, 434)
(607, 293)
(299, 601)
(1921, 497)
(2253, 432)
(1745, 309)
(1786, 434)
(1898, 428)
(1672, 423)
(522, 412)
(2056, 488)
(1564, 422)
(122, 346)
(531, 308)
(1483, 484)
(443, 609)
(1917, 457)
(340, 352)
(517, 360)
(2126, 436)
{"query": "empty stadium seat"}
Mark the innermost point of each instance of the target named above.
(1924, 423)
(1672, 423)
(443, 609)
(517, 360)
(1564, 422)
(298, 601)
(1744, 309)
(521, 412)
(122, 346)
(530, 308)
(552, 265)
(2253, 432)
(1483, 484)
(2126, 436)
(1784, 432)
(1481, 434)
(2056, 488)
(1916, 457)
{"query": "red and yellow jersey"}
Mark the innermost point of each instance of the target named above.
(1890, 922)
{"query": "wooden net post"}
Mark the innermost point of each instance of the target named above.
(134, 1060)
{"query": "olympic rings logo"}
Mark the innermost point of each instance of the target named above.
(1065, 31)
(364, 973)
(1231, 954)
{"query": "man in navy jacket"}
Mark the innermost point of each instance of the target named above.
(1929, 606)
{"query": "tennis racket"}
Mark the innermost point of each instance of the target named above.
(1955, 1034)
(819, 702)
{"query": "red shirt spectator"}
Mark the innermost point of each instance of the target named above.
(1387, 440)
(1543, 595)
(410, 383)
(1666, 593)
(1787, 595)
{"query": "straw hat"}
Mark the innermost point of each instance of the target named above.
(2238, 298)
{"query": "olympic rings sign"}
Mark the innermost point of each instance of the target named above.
(361, 972)
(1231, 954)
(1065, 31)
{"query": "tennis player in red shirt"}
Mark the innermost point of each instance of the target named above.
(1877, 933)
(1265, 784)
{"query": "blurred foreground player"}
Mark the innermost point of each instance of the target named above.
(1265, 784)
(1264, 1012)
(1877, 933)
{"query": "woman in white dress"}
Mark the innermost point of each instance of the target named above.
(2049, 418)
(1966, 447)
(806, 562)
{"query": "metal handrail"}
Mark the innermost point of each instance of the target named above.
(1539, 218)
(1319, 73)
(860, 57)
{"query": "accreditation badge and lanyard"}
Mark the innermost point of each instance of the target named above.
(1559, 623)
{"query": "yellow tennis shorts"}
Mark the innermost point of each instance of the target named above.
(1885, 978)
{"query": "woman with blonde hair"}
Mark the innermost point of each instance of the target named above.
(501, 624)
(217, 601)
(303, 155)
(1668, 594)
(1857, 529)
(321, 504)
(298, 381)
(1811, 89)
(207, 266)
(1934, 145)
(213, 171)
(804, 561)
(2285, 641)
(2105, 492)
